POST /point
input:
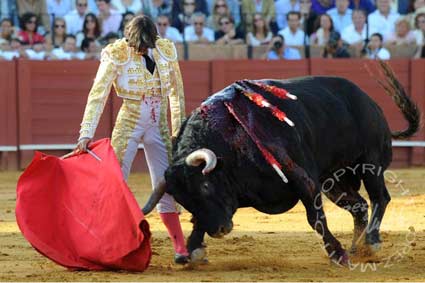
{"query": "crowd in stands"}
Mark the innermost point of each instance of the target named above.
(79, 29)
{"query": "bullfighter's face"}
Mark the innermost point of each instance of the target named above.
(206, 196)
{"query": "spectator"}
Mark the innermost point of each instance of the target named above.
(59, 32)
(323, 32)
(37, 7)
(418, 7)
(365, 5)
(167, 31)
(183, 10)
(308, 17)
(8, 9)
(420, 53)
(277, 50)
(109, 18)
(335, 48)
(220, 10)
(355, 34)
(250, 7)
(197, 32)
(58, 8)
(383, 19)
(15, 50)
(37, 52)
(126, 18)
(110, 38)
(402, 35)
(91, 29)
(375, 49)
(322, 6)
(91, 7)
(283, 7)
(90, 49)
(28, 34)
(75, 19)
(123, 6)
(156, 8)
(420, 29)
(260, 34)
(7, 30)
(341, 15)
(293, 34)
(228, 34)
(68, 51)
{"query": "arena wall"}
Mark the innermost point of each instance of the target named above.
(42, 102)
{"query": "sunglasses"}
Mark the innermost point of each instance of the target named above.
(162, 24)
(31, 22)
(224, 23)
(198, 23)
(220, 5)
(258, 20)
(82, 5)
(189, 4)
(59, 26)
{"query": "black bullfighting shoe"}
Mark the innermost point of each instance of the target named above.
(181, 259)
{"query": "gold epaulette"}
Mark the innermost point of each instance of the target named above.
(118, 52)
(166, 49)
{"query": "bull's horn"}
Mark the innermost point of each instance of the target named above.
(156, 195)
(202, 155)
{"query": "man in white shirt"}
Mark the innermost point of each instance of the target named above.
(293, 34)
(68, 51)
(167, 31)
(75, 18)
(110, 18)
(58, 8)
(383, 19)
(356, 32)
(341, 15)
(283, 7)
(375, 48)
(197, 32)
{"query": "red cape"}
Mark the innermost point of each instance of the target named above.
(80, 213)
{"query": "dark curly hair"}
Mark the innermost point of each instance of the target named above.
(26, 18)
(141, 33)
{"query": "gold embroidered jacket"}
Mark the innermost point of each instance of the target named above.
(122, 67)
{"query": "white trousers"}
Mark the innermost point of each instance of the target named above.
(147, 132)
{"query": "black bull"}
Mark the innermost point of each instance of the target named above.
(219, 162)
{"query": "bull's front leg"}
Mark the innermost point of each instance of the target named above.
(195, 245)
(310, 195)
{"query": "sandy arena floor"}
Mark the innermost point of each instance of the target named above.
(261, 247)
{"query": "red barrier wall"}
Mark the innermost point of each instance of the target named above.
(8, 116)
(52, 96)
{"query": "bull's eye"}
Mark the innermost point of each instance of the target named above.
(206, 188)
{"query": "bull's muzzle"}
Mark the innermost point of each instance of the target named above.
(202, 155)
(223, 230)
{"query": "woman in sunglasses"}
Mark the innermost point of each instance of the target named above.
(220, 10)
(28, 34)
(59, 32)
(228, 34)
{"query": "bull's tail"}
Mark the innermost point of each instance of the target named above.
(409, 109)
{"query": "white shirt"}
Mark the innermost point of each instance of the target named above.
(381, 53)
(173, 34)
(351, 36)
(59, 9)
(291, 39)
(135, 7)
(74, 22)
(381, 24)
(9, 55)
(33, 55)
(340, 21)
(282, 8)
(112, 23)
(60, 54)
(253, 41)
(419, 35)
(190, 35)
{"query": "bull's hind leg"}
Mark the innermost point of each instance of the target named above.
(344, 193)
(379, 198)
(311, 198)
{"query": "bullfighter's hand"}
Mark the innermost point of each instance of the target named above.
(82, 145)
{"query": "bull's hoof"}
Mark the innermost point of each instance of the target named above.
(198, 256)
(375, 247)
(181, 259)
(341, 259)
